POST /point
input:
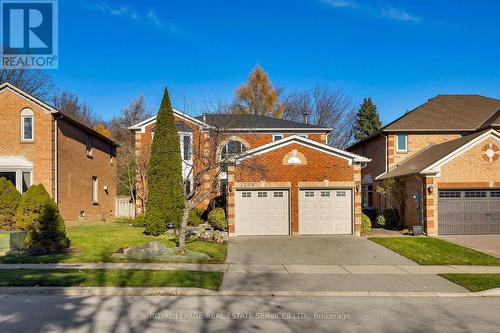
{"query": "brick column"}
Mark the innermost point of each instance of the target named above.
(430, 206)
(230, 200)
(357, 199)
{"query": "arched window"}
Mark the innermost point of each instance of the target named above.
(233, 147)
(27, 125)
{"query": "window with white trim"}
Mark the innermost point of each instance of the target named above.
(262, 194)
(341, 193)
(309, 194)
(246, 194)
(95, 190)
(277, 137)
(232, 148)
(278, 194)
(325, 194)
(402, 142)
(88, 144)
(20, 178)
(186, 147)
(27, 125)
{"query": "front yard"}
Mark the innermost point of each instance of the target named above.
(433, 251)
(108, 278)
(97, 241)
(475, 282)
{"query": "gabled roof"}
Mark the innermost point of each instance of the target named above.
(431, 158)
(54, 111)
(446, 113)
(297, 139)
(254, 121)
(239, 122)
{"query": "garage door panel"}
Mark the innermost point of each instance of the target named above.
(465, 213)
(261, 212)
(325, 212)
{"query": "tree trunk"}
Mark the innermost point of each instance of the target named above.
(182, 232)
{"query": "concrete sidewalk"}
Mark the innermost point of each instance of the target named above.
(273, 269)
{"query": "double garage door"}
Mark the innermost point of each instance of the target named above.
(267, 212)
(468, 212)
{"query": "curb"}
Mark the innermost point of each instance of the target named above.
(109, 291)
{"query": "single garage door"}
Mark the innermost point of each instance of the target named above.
(261, 212)
(326, 211)
(468, 212)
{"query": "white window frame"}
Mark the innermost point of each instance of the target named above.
(397, 142)
(95, 190)
(19, 176)
(280, 135)
(25, 114)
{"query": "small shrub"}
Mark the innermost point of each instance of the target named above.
(366, 225)
(217, 219)
(391, 217)
(381, 221)
(9, 200)
(138, 222)
(196, 217)
(39, 216)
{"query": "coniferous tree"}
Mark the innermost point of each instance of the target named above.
(165, 201)
(367, 120)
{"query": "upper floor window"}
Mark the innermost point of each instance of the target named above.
(152, 134)
(186, 147)
(233, 147)
(88, 144)
(277, 137)
(402, 142)
(27, 125)
(95, 190)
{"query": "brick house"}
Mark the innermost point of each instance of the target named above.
(40, 145)
(446, 154)
(308, 188)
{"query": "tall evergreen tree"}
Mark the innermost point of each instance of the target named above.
(165, 201)
(367, 120)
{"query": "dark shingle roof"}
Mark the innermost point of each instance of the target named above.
(252, 121)
(448, 112)
(181, 127)
(428, 156)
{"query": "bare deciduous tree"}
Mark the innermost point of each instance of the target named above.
(327, 107)
(69, 104)
(33, 81)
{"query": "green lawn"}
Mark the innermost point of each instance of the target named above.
(475, 282)
(433, 251)
(96, 241)
(108, 278)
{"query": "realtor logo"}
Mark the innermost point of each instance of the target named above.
(29, 34)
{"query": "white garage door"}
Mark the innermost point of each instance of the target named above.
(261, 212)
(323, 212)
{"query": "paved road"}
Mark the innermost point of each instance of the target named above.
(134, 314)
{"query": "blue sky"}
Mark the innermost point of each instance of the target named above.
(398, 52)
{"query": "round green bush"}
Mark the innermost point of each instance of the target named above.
(138, 222)
(9, 200)
(217, 219)
(366, 225)
(381, 221)
(39, 216)
(196, 217)
(391, 218)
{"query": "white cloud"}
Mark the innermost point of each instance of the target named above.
(342, 3)
(399, 14)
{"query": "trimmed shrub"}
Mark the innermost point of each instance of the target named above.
(138, 222)
(366, 225)
(165, 198)
(39, 216)
(381, 221)
(217, 219)
(391, 217)
(9, 200)
(196, 217)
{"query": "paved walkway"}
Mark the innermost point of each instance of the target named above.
(273, 269)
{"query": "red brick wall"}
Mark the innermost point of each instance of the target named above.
(320, 167)
(40, 150)
(75, 172)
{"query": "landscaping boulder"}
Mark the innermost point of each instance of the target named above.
(157, 251)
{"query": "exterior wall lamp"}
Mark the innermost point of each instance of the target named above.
(430, 189)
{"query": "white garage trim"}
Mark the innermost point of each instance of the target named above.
(251, 217)
(332, 195)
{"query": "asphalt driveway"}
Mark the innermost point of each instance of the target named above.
(317, 250)
(489, 244)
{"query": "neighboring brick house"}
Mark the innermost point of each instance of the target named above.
(308, 187)
(40, 145)
(446, 152)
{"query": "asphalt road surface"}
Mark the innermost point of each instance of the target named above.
(22, 313)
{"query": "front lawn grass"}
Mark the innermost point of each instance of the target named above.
(475, 282)
(108, 278)
(433, 251)
(97, 241)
